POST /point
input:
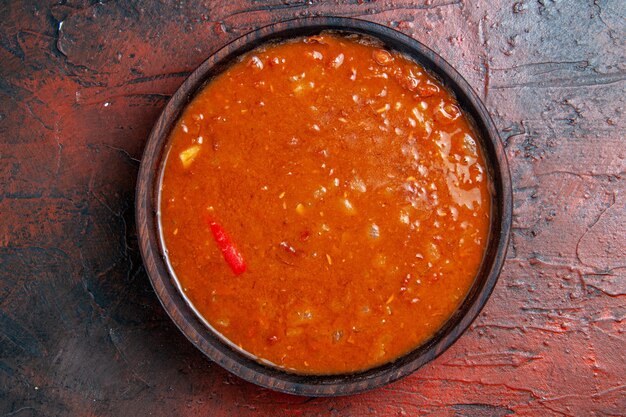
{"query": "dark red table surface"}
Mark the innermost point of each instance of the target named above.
(81, 331)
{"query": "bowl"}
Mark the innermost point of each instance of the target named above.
(181, 313)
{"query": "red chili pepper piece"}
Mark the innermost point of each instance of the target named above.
(230, 253)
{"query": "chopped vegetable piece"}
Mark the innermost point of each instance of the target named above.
(188, 155)
(348, 207)
(336, 63)
(287, 247)
(374, 231)
(382, 57)
(357, 184)
(231, 255)
(256, 62)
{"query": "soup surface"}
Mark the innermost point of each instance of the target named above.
(324, 204)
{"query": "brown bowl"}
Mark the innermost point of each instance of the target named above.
(148, 189)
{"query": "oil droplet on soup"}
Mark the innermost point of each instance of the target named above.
(325, 204)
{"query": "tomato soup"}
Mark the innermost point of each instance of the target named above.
(324, 204)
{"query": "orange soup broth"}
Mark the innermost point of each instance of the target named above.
(354, 190)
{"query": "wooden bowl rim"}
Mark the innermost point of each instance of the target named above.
(321, 385)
